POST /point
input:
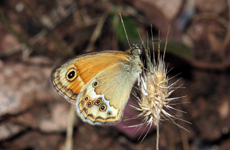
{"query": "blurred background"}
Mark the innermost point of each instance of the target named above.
(36, 36)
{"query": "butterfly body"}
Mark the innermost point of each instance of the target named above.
(99, 84)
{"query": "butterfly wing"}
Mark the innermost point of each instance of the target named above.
(70, 78)
(102, 100)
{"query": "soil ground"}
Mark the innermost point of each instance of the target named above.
(36, 36)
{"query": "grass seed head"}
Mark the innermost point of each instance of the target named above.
(155, 89)
(154, 92)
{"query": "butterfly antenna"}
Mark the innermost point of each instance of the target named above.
(124, 29)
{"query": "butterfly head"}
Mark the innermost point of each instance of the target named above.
(136, 50)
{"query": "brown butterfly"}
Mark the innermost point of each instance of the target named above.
(99, 84)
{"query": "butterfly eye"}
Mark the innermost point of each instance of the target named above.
(71, 74)
(103, 107)
(95, 84)
(86, 98)
(109, 113)
(90, 103)
(98, 102)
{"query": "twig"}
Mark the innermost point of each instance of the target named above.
(72, 116)
(227, 38)
(170, 137)
(34, 40)
(25, 43)
(184, 139)
(209, 65)
(96, 32)
(54, 39)
(115, 26)
(221, 20)
(69, 134)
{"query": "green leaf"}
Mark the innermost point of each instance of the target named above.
(130, 26)
(177, 48)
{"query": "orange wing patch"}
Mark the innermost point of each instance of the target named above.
(91, 65)
(70, 78)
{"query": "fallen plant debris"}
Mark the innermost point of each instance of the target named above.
(31, 109)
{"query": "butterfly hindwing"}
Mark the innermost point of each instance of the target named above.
(103, 99)
(94, 108)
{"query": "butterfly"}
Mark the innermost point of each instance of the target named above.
(99, 83)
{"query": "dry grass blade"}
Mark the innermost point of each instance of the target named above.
(97, 32)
